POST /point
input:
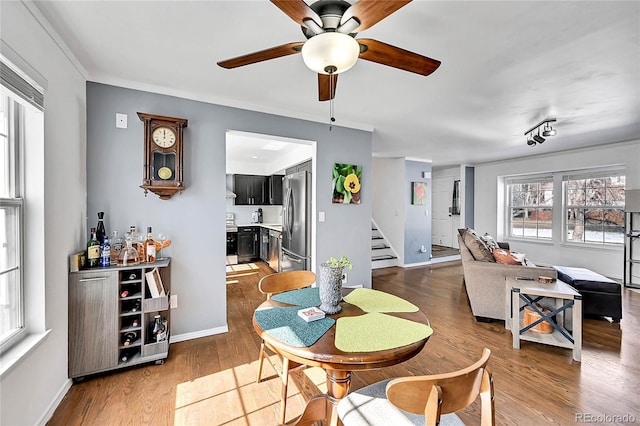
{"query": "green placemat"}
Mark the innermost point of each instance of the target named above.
(376, 331)
(304, 297)
(285, 325)
(378, 301)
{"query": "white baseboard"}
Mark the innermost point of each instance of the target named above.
(48, 414)
(433, 261)
(197, 334)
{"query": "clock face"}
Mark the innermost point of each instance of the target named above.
(164, 137)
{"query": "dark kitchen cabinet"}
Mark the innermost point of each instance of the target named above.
(275, 190)
(251, 190)
(302, 167)
(248, 245)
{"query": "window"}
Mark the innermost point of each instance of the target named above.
(530, 207)
(21, 107)
(594, 209)
(11, 205)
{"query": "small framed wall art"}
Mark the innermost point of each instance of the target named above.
(419, 193)
(346, 183)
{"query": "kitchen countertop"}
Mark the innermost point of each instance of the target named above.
(274, 226)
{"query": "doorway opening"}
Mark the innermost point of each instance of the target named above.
(258, 168)
(445, 219)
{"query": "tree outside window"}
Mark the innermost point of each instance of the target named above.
(595, 210)
(531, 209)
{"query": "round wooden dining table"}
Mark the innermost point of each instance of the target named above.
(337, 364)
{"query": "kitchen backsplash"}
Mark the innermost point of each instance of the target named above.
(270, 214)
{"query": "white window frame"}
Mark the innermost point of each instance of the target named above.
(584, 175)
(12, 274)
(25, 114)
(527, 179)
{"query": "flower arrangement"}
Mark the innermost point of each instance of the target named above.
(343, 262)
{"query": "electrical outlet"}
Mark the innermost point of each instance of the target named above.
(344, 278)
(173, 301)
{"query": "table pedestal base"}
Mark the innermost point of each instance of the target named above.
(325, 407)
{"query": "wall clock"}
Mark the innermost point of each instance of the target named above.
(163, 154)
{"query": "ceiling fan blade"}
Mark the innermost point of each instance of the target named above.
(298, 10)
(385, 54)
(370, 12)
(262, 55)
(327, 89)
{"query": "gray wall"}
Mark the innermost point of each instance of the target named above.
(418, 218)
(194, 219)
(469, 196)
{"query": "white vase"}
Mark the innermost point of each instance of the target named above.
(330, 287)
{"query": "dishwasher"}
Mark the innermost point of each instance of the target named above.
(274, 250)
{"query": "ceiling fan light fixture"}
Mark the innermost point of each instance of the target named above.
(330, 53)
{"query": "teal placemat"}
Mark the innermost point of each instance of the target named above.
(285, 325)
(304, 297)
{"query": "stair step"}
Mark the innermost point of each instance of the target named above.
(380, 247)
(376, 237)
(383, 257)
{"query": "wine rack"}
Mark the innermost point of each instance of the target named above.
(111, 318)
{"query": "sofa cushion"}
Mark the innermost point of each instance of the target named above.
(476, 246)
(505, 257)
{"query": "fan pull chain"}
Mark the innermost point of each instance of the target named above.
(332, 117)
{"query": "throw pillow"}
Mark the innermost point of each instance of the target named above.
(476, 246)
(505, 257)
(490, 242)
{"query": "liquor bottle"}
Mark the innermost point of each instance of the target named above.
(129, 338)
(159, 329)
(136, 306)
(135, 323)
(105, 253)
(116, 246)
(100, 232)
(124, 356)
(150, 247)
(129, 256)
(93, 250)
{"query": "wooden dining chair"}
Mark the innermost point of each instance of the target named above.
(422, 400)
(270, 285)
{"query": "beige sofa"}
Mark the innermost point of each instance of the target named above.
(485, 282)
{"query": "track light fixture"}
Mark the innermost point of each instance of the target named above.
(547, 131)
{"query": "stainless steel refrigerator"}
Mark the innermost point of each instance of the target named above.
(296, 222)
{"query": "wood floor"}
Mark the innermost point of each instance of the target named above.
(211, 381)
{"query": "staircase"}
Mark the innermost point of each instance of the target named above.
(382, 255)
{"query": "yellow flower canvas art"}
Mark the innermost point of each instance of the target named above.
(346, 183)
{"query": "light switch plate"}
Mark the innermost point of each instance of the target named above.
(121, 120)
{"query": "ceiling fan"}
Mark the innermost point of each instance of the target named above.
(330, 27)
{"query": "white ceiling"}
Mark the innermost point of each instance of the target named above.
(506, 65)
